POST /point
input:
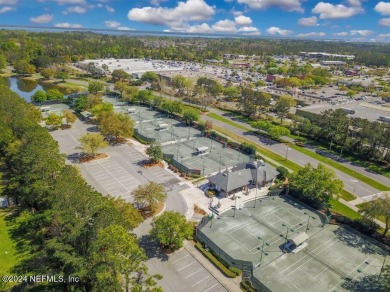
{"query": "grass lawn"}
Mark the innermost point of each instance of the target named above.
(7, 247)
(347, 195)
(227, 121)
(262, 150)
(344, 210)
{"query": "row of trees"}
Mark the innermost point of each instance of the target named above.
(52, 94)
(354, 135)
(72, 229)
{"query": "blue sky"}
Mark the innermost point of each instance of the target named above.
(359, 20)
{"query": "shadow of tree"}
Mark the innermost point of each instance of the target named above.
(371, 283)
(358, 241)
(152, 248)
(93, 129)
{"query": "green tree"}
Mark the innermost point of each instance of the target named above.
(283, 172)
(178, 82)
(62, 75)
(69, 116)
(172, 106)
(54, 120)
(116, 256)
(121, 86)
(150, 77)
(316, 184)
(155, 152)
(170, 229)
(191, 115)
(92, 142)
(39, 96)
(23, 67)
(48, 73)
(144, 96)
(378, 208)
(351, 93)
(3, 62)
(94, 87)
(100, 108)
(116, 125)
(283, 105)
(119, 75)
(54, 94)
(232, 92)
(81, 103)
(146, 197)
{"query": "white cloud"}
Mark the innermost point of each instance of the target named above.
(342, 33)
(199, 28)
(67, 25)
(237, 13)
(6, 9)
(8, 2)
(312, 34)
(384, 35)
(363, 32)
(247, 29)
(276, 30)
(383, 8)
(112, 24)
(289, 5)
(384, 21)
(331, 11)
(308, 21)
(125, 28)
(225, 26)
(243, 20)
(177, 17)
(75, 9)
(45, 18)
(110, 9)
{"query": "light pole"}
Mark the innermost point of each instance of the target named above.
(235, 205)
(354, 186)
(262, 249)
(203, 164)
(257, 185)
(220, 162)
(308, 220)
(177, 154)
(288, 148)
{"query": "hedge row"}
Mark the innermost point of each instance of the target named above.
(226, 271)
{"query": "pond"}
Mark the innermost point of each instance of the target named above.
(26, 87)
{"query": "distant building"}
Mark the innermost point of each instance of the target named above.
(243, 176)
(320, 55)
(234, 57)
(330, 63)
(3, 202)
(270, 78)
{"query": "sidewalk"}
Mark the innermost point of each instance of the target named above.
(230, 284)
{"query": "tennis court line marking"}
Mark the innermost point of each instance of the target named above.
(271, 211)
(352, 272)
(200, 281)
(180, 259)
(211, 287)
(288, 268)
(331, 265)
(193, 273)
(186, 266)
(313, 255)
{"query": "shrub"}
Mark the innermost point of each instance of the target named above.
(215, 261)
(283, 172)
(365, 225)
(246, 286)
(210, 193)
(236, 271)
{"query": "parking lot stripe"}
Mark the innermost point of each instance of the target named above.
(211, 287)
(193, 273)
(200, 281)
(180, 259)
(186, 266)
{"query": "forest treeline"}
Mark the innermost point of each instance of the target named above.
(64, 227)
(42, 49)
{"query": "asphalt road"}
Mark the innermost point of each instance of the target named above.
(350, 183)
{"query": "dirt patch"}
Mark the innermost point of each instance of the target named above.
(93, 157)
(148, 164)
(198, 210)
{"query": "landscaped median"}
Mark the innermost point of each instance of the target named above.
(325, 160)
(228, 272)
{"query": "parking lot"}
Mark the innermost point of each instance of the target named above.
(116, 175)
(182, 272)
